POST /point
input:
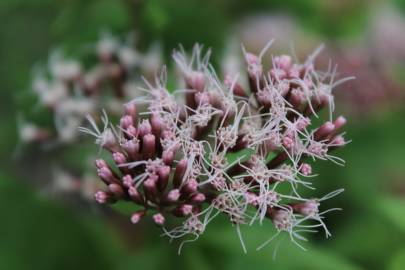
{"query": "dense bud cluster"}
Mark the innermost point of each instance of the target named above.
(229, 148)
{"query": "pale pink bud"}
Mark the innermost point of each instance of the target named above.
(252, 198)
(318, 149)
(119, 158)
(282, 219)
(148, 146)
(255, 68)
(132, 148)
(137, 216)
(127, 181)
(126, 121)
(196, 80)
(183, 210)
(130, 109)
(168, 157)
(294, 72)
(278, 74)
(159, 219)
(100, 163)
(164, 173)
(237, 88)
(144, 128)
(283, 61)
(190, 186)
(156, 124)
(116, 190)
(323, 131)
(297, 97)
(306, 169)
(288, 142)
(198, 198)
(131, 131)
(106, 175)
(338, 141)
(339, 122)
(302, 123)
(101, 197)
(252, 59)
(202, 98)
(179, 172)
(308, 208)
(173, 195)
(135, 195)
(150, 188)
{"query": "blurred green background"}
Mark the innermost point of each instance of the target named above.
(51, 232)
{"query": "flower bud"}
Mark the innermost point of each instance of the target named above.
(173, 195)
(183, 210)
(144, 128)
(127, 181)
(306, 169)
(190, 186)
(196, 80)
(198, 198)
(308, 208)
(164, 173)
(324, 131)
(179, 172)
(159, 219)
(148, 146)
(137, 216)
(102, 197)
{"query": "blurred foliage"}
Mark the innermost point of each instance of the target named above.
(184, 22)
(373, 215)
(190, 21)
(333, 19)
(40, 233)
(401, 5)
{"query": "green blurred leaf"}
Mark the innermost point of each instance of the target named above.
(39, 234)
(225, 240)
(81, 21)
(125, 207)
(394, 210)
(398, 261)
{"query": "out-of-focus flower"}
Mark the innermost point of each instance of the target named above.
(66, 183)
(375, 59)
(229, 148)
(385, 36)
(71, 91)
(375, 86)
(256, 31)
(29, 132)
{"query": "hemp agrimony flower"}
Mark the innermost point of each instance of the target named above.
(229, 148)
(70, 91)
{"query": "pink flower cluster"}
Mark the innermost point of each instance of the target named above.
(227, 148)
(69, 90)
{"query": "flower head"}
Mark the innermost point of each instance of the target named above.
(227, 149)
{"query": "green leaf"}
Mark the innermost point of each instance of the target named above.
(225, 240)
(398, 261)
(125, 207)
(41, 234)
(394, 209)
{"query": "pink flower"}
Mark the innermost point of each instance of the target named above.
(184, 160)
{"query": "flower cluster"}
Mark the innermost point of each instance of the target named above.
(71, 91)
(233, 149)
